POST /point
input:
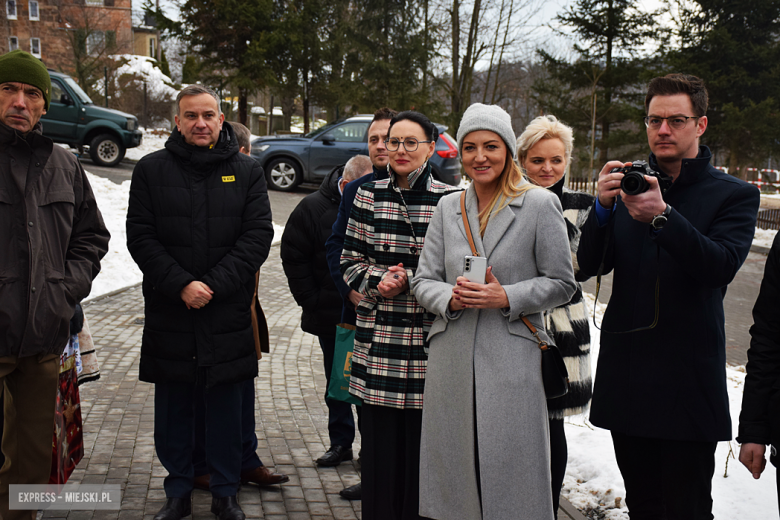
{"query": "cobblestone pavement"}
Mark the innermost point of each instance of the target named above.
(118, 412)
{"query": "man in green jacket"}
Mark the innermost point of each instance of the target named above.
(53, 238)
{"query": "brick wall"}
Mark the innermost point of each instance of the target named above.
(57, 19)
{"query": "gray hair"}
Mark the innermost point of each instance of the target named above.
(243, 136)
(196, 90)
(357, 167)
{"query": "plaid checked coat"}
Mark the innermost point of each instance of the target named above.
(386, 227)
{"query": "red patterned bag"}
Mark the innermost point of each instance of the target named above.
(68, 440)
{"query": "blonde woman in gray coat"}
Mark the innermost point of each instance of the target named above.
(485, 442)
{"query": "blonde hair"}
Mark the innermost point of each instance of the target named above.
(544, 127)
(510, 185)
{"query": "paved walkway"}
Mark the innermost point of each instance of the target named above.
(291, 417)
(118, 413)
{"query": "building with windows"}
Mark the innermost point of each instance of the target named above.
(61, 32)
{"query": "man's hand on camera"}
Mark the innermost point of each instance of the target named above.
(645, 206)
(609, 184)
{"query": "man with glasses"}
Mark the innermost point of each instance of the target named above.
(660, 386)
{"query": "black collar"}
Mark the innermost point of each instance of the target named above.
(692, 170)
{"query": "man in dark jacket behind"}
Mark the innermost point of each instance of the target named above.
(660, 386)
(199, 227)
(759, 421)
(306, 268)
(52, 238)
(377, 152)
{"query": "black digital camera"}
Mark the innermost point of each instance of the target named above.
(634, 183)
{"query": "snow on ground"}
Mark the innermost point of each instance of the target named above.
(764, 237)
(593, 480)
(153, 140)
(118, 269)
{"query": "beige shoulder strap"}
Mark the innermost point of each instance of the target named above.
(466, 224)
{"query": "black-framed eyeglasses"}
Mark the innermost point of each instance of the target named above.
(410, 143)
(676, 122)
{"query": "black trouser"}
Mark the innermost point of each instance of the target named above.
(174, 436)
(391, 463)
(666, 479)
(249, 458)
(341, 424)
(559, 454)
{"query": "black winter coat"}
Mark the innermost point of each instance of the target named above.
(335, 243)
(669, 382)
(759, 421)
(198, 214)
(304, 260)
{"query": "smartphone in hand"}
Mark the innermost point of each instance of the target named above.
(474, 268)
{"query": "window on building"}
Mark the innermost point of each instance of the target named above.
(153, 47)
(34, 15)
(10, 9)
(35, 47)
(95, 41)
(111, 40)
(94, 2)
(13, 43)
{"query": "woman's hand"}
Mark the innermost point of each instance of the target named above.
(455, 303)
(394, 282)
(490, 295)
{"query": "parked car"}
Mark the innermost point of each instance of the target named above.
(73, 119)
(288, 161)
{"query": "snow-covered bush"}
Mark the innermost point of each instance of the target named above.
(138, 86)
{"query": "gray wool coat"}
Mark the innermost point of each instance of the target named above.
(486, 361)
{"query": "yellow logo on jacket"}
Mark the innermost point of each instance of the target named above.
(348, 365)
(229, 178)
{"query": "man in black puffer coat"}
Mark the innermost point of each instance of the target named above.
(306, 267)
(199, 227)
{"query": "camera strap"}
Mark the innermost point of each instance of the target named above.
(598, 288)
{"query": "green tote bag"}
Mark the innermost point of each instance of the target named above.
(338, 388)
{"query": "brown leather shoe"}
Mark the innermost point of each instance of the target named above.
(263, 476)
(201, 482)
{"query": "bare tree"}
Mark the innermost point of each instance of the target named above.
(92, 37)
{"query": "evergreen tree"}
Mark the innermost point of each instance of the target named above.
(733, 47)
(164, 66)
(231, 37)
(601, 93)
(190, 71)
(390, 54)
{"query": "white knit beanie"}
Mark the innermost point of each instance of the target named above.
(487, 117)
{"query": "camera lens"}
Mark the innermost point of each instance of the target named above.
(633, 183)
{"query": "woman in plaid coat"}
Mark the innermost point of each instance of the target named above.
(384, 239)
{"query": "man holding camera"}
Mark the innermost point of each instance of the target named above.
(674, 245)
